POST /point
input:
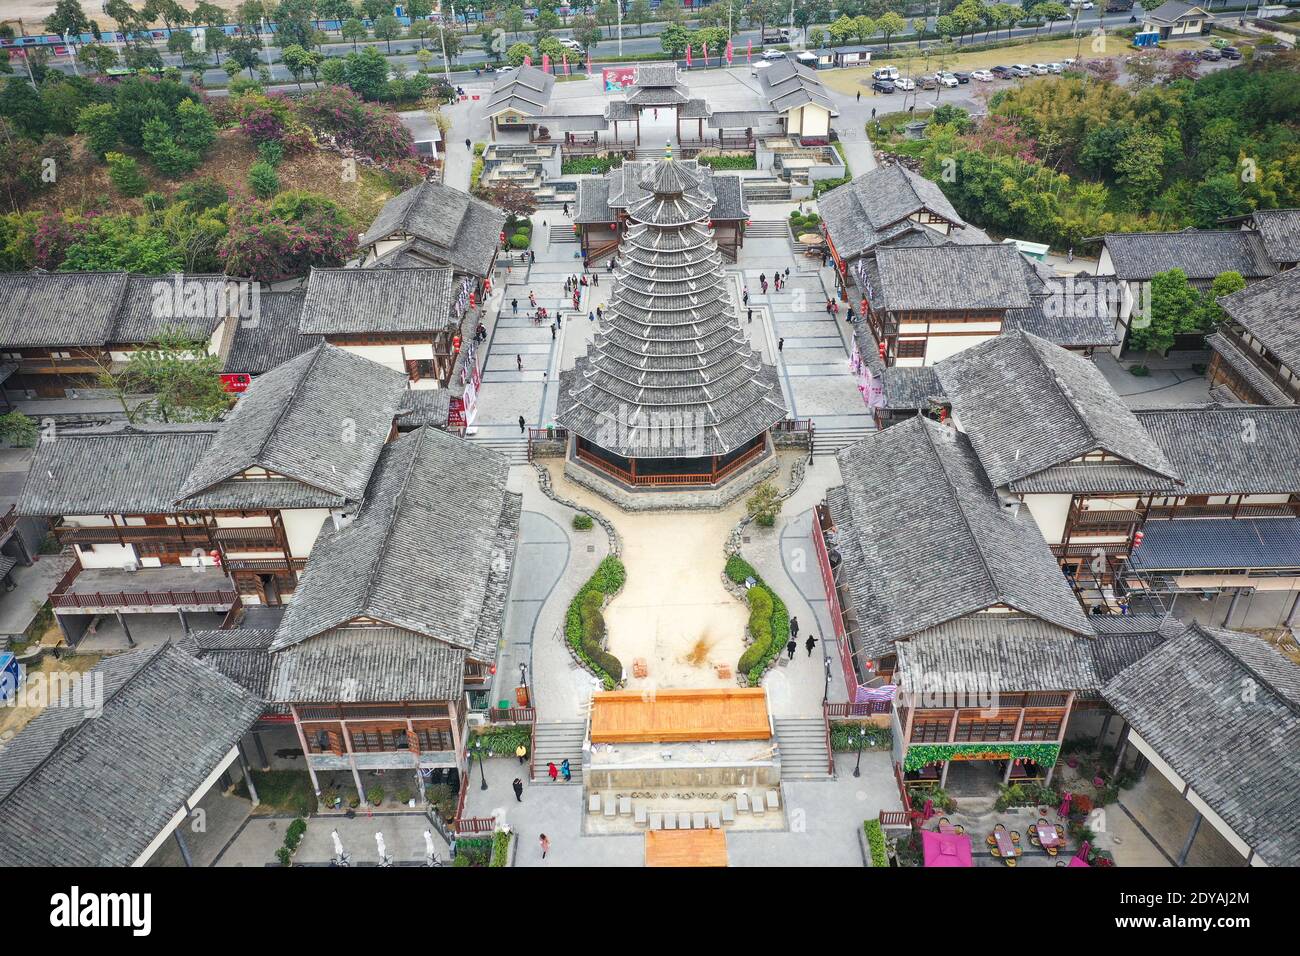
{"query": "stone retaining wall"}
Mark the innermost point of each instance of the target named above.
(704, 499)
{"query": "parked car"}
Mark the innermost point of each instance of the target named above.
(946, 80)
(1081, 5)
(505, 69)
(570, 44)
(1210, 53)
(1021, 69)
(886, 73)
(1230, 53)
(1055, 67)
(883, 86)
(905, 84)
(1039, 69)
(962, 76)
(774, 54)
(1002, 72)
(984, 76)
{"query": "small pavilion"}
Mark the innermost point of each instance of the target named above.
(657, 87)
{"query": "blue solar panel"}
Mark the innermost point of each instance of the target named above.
(1219, 543)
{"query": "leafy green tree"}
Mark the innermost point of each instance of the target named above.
(181, 382)
(124, 173)
(519, 52)
(367, 73)
(354, 30)
(68, 19)
(195, 128)
(99, 124)
(889, 24)
(299, 61)
(1217, 198)
(1225, 283)
(674, 39)
(640, 13)
(22, 106)
(97, 57)
(1175, 307)
(161, 146)
(586, 31)
(18, 430)
(243, 54)
(388, 29)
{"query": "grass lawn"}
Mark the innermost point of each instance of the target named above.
(1043, 51)
(281, 791)
(14, 719)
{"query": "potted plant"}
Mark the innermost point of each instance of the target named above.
(375, 795)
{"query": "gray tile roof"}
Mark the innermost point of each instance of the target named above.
(593, 201)
(424, 406)
(1238, 450)
(83, 791)
(952, 277)
(865, 212)
(1197, 544)
(361, 301)
(1172, 10)
(1280, 230)
(149, 308)
(1235, 357)
(787, 85)
(657, 84)
(274, 338)
(1223, 710)
(1201, 254)
(1270, 311)
(242, 654)
(526, 90)
(910, 386)
(1124, 639)
(997, 652)
(320, 419)
(113, 469)
(670, 373)
(63, 308)
(1071, 313)
(598, 199)
(456, 228)
(925, 539)
(416, 556)
(367, 664)
(1028, 406)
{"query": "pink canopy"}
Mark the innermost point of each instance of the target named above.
(945, 849)
(1078, 861)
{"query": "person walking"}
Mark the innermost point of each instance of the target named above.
(600, 311)
(532, 299)
(810, 644)
(873, 112)
(514, 306)
(780, 344)
(519, 361)
(859, 99)
(751, 315)
(519, 790)
(532, 256)
(595, 278)
(553, 770)
(522, 428)
(545, 843)
(794, 628)
(745, 295)
(791, 648)
(591, 316)
(468, 145)
(565, 772)
(521, 752)
(566, 208)
(552, 331)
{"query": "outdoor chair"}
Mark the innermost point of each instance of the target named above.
(656, 821)
(959, 830)
(992, 840)
(714, 822)
(1034, 841)
(1042, 821)
(1052, 851)
(728, 814)
(699, 820)
(944, 822)
(593, 803)
(1000, 826)
(1015, 836)
(639, 816)
(1060, 831)
(624, 806)
(1010, 861)
(996, 852)
(684, 820)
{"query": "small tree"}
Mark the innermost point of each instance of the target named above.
(181, 382)
(388, 29)
(124, 172)
(98, 123)
(353, 30)
(764, 505)
(18, 430)
(263, 179)
(516, 55)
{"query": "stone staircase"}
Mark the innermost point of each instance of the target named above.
(803, 748)
(765, 189)
(515, 449)
(767, 229)
(828, 441)
(555, 741)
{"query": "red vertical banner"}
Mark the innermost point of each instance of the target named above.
(706, 56)
(566, 64)
(528, 60)
(546, 63)
(729, 53)
(749, 50)
(688, 55)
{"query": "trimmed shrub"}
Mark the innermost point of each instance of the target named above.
(520, 240)
(760, 627)
(375, 795)
(729, 162)
(876, 841)
(584, 625)
(582, 522)
(263, 179)
(759, 655)
(293, 834)
(501, 848)
(124, 172)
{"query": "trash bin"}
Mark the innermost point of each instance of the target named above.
(503, 704)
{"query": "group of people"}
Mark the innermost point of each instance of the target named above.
(793, 644)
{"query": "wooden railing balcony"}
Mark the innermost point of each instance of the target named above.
(265, 565)
(1279, 509)
(100, 599)
(703, 478)
(1110, 518)
(9, 519)
(1272, 369)
(865, 709)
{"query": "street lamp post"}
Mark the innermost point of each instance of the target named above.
(862, 738)
(478, 746)
(826, 687)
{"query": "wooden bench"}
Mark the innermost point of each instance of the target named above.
(593, 803)
(773, 800)
(700, 820)
(728, 813)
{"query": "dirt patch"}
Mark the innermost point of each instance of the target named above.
(15, 718)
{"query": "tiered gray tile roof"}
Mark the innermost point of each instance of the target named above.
(393, 300)
(1236, 358)
(1201, 254)
(877, 206)
(997, 652)
(787, 86)
(367, 664)
(1270, 311)
(599, 200)
(113, 469)
(1236, 450)
(1030, 406)
(526, 91)
(670, 374)
(46, 309)
(925, 540)
(1223, 710)
(242, 654)
(319, 419)
(657, 84)
(1280, 230)
(951, 276)
(274, 338)
(77, 790)
(1171, 10)
(419, 554)
(455, 228)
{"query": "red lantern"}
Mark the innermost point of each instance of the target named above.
(503, 237)
(576, 229)
(613, 226)
(473, 300)
(455, 344)
(864, 306)
(1137, 540)
(883, 350)
(215, 555)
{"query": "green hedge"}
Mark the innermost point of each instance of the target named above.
(729, 162)
(826, 185)
(503, 740)
(584, 625)
(844, 736)
(501, 848)
(926, 754)
(590, 164)
(769, 638)
(876, 840)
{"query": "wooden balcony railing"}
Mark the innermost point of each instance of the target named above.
(9, 519)
(864, 709)
(703, 478)
(97, 599)
(1281, 509)
(512, 715)
(1271, 368)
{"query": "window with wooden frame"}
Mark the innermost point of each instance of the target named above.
(909, 348)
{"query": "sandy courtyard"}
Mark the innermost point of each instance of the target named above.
(674, 603)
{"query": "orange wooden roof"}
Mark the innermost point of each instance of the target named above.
(724, 713)
(685, 848)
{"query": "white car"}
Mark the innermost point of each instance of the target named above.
(774, 54)
(506, 69)
(1082, 4)
(984, 76)
(946, 79)
(1039, 69)
(904, 84)
(1055, 68)
(571, 44)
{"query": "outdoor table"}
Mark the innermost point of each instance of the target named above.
(1005, 846)
(1047, 835)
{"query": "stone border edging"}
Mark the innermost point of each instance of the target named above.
(544, 482)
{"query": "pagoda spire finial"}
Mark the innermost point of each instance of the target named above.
(668, 151)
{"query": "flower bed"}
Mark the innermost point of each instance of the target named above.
(584, 625)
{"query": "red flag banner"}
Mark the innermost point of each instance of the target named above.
(749, 50)
(688, 54)
(546, 63)
(528, 61)
(706, 54)
(566, 64)
(729, 53)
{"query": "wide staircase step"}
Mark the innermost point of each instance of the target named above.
(803, 747)
(767, 229)
(556, 741)
(515, 449)
(766, 190)
(828, 441)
